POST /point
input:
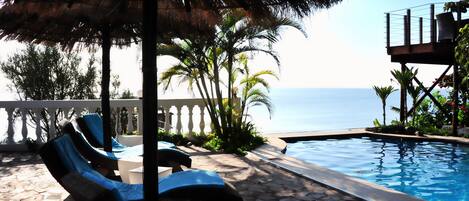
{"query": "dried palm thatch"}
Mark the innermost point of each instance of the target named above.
(81, 21)
(68, 22)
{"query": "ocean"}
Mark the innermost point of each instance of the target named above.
(303, 109)
(315, 109)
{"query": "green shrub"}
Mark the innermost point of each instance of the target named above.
(247, 139)
(177, 139)
(198, 139)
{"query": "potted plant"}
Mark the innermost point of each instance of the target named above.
(446, 23)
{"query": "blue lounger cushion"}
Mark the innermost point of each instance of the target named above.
(95, 126)
(190, 179)
(128, 152)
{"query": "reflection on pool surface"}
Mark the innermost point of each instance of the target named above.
(428, 170)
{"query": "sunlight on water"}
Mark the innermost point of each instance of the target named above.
(429, 170)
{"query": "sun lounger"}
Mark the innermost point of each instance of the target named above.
(110, 160)
(91, 126)
(74, 173)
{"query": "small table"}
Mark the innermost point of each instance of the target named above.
(136, 175)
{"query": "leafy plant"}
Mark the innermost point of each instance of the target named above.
(383, 93)
(404, 78)
(459, 6)
(46, 73)
(376, 123)
(218, 68)
(177, 139)
(414, 92)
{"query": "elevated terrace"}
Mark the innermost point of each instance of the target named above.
(421, 35)
(425, 34)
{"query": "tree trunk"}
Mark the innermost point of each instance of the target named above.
(403, 113)
(219, 97)
(230, 92)
(384, 113)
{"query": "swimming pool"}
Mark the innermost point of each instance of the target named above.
(428, 170)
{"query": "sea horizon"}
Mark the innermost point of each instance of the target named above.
(305, 110)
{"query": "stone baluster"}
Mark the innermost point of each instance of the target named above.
(191, 123)
(130, 116)
(167, 120)
(179, 123)
(24, 127)
(11, 123)
(212, 127)
(140, 119)
(52, 130)
(117, 111)
(37, 118)
(202, 120)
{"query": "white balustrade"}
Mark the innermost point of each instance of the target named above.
(30, 115)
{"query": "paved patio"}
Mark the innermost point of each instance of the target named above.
(24, 177)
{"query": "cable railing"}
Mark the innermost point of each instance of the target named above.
(415, 25)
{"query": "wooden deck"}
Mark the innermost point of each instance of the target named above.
(441, 53)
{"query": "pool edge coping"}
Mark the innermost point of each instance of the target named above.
(272, 153)
(299, 136)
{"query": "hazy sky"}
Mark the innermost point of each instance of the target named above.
(345, 47)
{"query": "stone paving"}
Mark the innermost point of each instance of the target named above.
(256, 180)
(23, 176)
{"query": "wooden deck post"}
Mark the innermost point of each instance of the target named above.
(421, 30)
(432, 24)
(388, 30)
(149, 105)
(403, 105)
(406, 35)
(409, 27)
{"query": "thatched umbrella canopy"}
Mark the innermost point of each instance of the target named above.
(121, 22)
(81, 22)
(88, 23)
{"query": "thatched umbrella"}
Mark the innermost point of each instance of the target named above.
(41, 27)
(88, 23)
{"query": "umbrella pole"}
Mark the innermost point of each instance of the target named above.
(149, 89)
(106, 74)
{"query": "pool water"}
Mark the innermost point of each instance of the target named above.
(428, 170)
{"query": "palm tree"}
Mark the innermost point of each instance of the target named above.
(204, 62)
(239, 34)
(383, 93)
(414, 92)
(254, 90)
(404, 78)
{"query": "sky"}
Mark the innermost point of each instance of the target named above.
(344, 48)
